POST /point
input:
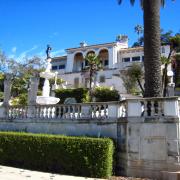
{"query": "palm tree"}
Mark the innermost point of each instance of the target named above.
(139, 30)
(93, 66)
(152, 58)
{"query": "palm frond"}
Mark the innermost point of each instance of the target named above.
(141, 2)
(132, 2)
(119, 1)
(162, 3)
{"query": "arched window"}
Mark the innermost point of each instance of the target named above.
(104, 57)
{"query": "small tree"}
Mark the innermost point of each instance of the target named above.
(93, 66)
(176, 68)
(132, 78)
(174, 46)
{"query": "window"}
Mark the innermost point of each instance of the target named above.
(163, 50)
(143, 58)
(86, 82)
(102, 79)
(62, 66)
(127, 59)
(106, 63)
(137, 58)
(86, 63)
(54, 67)
(76, 82)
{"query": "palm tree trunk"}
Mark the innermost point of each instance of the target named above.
(90, 83)
(164, 76)
(152, 63)
(140, 85)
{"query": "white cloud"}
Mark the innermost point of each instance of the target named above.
(14, 49)
(25, 53)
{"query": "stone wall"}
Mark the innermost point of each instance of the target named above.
(83, 127)
(147, 131)
(148, 146)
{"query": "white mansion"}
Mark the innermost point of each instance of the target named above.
(114, 56)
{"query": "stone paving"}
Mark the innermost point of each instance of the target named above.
(9, 173)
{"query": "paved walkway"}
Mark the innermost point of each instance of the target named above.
(9, 173)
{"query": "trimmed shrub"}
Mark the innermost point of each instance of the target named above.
(80, 94)
(104, 94)
(79, 156)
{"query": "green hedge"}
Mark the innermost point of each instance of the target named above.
(104, 94)
(79, 156)
(80, 94)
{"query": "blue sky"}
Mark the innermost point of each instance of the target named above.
(27, 26)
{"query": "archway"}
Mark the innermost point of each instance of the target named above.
(104, 57)
(78, 62)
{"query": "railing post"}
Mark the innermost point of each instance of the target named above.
(171, 107)
(86, 111)
(113, 110)
(134, 108)
(32, 95)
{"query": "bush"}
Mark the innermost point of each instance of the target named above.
(20, 100)
(103, 94)
(80, 94)
(1, 96)
(79, 156)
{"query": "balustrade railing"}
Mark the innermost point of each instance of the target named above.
(70, 111)
(152, 107)
(19, 112)
(143, 107)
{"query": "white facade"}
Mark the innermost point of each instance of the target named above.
(115, 56)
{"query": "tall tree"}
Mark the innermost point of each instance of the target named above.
(152, 58)
(139, 30)
(93, 66)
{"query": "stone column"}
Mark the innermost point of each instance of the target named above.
(32, 95)
(7, 89)
(7, 96)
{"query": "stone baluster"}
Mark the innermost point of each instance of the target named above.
(78, 111)
(99, 111)
(73, 111)
(42, 112)
(94, 110)
(105, 110)
(64, 112)
(145, 108)
(153, 110)
(58, 112)
(38, 113)
(46, 112)
(160, 108)
(50, 112)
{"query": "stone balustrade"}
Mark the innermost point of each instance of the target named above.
(70, 111)
(142, 107)
(153, 107)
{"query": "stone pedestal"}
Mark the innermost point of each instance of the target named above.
(7, 96)
(170, 89)
(32, 95)
(7, 89)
